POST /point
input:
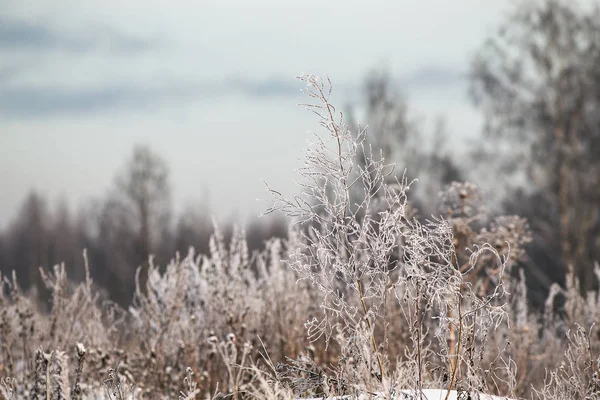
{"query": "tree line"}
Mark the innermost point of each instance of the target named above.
(119, 232)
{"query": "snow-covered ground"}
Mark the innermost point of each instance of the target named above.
(427, 394)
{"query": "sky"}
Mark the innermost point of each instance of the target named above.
(210, 86)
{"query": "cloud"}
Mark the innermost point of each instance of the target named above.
(7, 73)
(48, 101)
(18, 34)
(433, 76)
(262, 88)
(51, 101)
(43, 101)
(29, 39)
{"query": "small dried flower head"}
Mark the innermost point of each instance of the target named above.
(80, 350)
(461, 199)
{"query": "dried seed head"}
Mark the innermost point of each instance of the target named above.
(80, 350)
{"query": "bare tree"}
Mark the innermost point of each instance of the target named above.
(133, 222)
(538, 82)
(143, 190)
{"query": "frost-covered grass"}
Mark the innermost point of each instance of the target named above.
(365, 298)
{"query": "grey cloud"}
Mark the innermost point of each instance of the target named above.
(262, 88)
(17, 34)
(8, 72)
(433, 76)
(20, 34)
(48, 101)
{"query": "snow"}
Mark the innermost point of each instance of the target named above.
(426, 394)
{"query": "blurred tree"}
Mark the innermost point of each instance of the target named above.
(193, 228)
(143, 190)
(538, 83)
(3, 253)
(259, 231)
(38, 238)
(403, 142)
(65, 242)
(28, 240)
(114, 256)
(133, 222)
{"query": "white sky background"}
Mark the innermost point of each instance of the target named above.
(210, 86)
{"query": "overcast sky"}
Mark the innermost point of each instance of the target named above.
(209, 85)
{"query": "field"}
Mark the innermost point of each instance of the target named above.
(364, 297)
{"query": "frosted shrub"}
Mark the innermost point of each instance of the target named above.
(368, 257)
(208, 311)
(39, 348)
